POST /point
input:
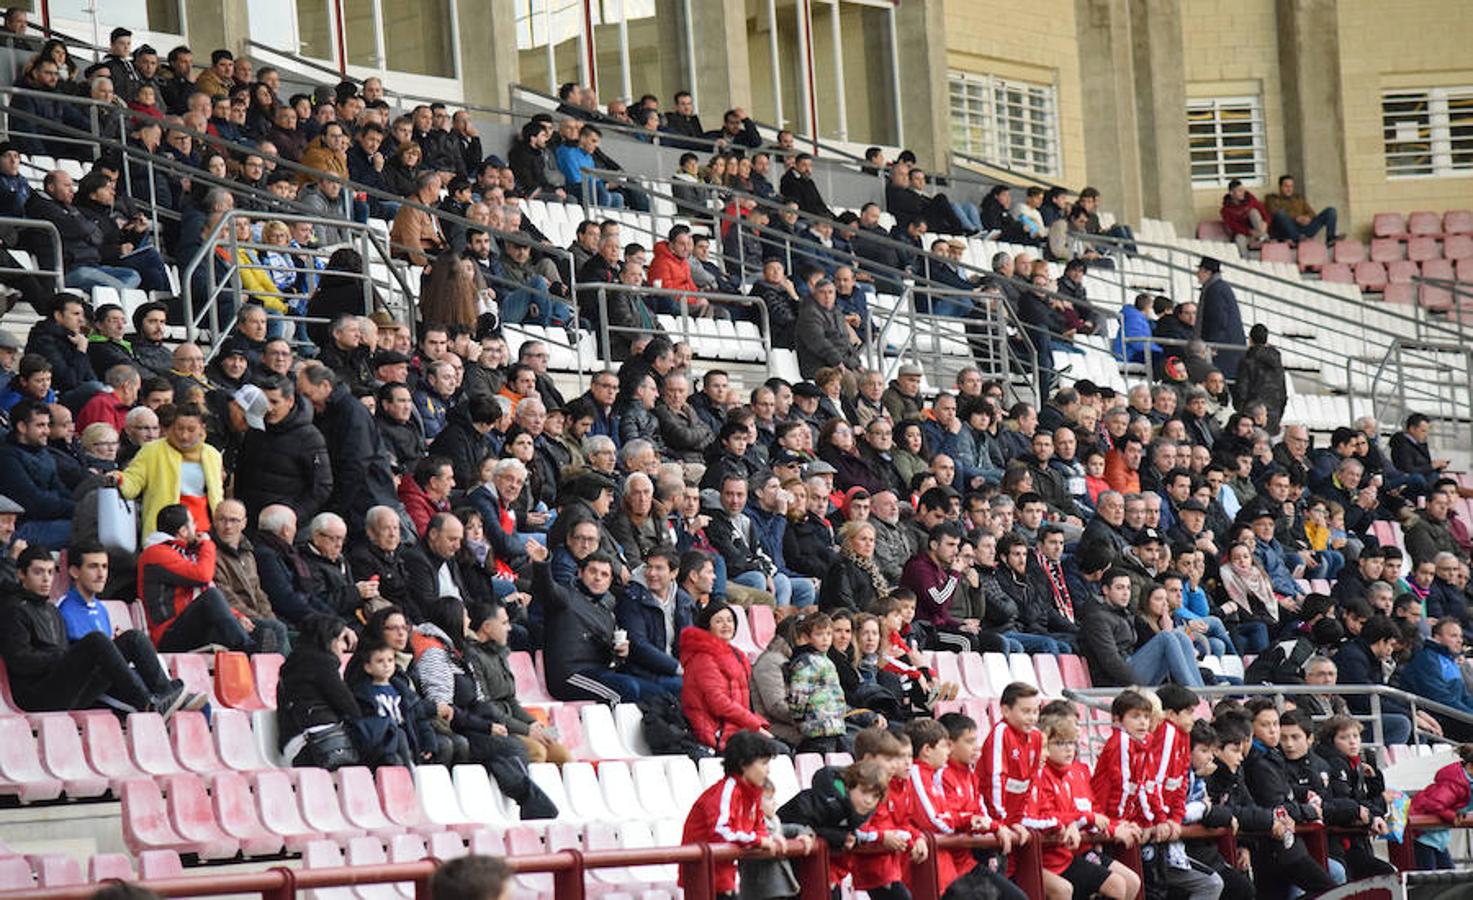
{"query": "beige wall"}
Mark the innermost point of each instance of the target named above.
(1031, 41)
(1409, 43)
(1231, 49)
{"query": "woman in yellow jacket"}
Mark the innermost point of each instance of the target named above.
(177, 468)
(254, 276)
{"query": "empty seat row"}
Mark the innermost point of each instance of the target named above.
(1394, 224)
(57, 870)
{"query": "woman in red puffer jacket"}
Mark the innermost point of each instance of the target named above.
(716, 695)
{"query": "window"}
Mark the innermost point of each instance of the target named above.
(1014, 124)
(1428, 132)
(1225, 136)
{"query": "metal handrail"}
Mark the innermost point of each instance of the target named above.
(57, 273)
(764, 323)
(1017, 176)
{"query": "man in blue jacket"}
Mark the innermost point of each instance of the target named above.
(768, 512)
(28, 476)
(1436, 672)
(653, 611)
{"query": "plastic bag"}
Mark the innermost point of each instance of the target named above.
(117, 521)
(1397, 805)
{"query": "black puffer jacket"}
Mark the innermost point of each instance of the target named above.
(392, 570)
(312, 692)
(845, 586)
(1108, 636)
(808, 546)
(32, 642)
(332, 582)
(460, 443)
(825, 807)
(288, 463)
(360, 463)
(69, 366)
(580, 630)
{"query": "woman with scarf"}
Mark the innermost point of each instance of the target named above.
(442, 675)
(1246, 599)
(853, 581)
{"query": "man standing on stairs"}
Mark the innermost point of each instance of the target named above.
(1220, 320)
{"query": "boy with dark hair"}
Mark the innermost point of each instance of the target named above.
(930, 810)
(1283, 859)
(1011, 755)
(881, 874)
(1200, 810)
(837, 806)
(1062, 803)
(815, 695)
(472, 878)
(1308, 774)
(1170, 762)
(961, 783)
(730, 811)
(1356, 796)
(1122, 779)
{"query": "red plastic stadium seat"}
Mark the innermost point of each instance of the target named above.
(1434, 297)
(235, 741)
(1313, 254)
(1422, 248)
(119, 614)
(193, 817)
(1074, 672)
(1349, 251)
(1438, 269)
(194, 670)
(1337, 273)
(1050, 676)
(1457, 246)
(8, 705)
(154, 865)
(148, 741)
(267, 669)
(400, 800)
(1457, 221)
(16, 874)
(235, 682)
(235, 810)
(1401, 271)
(21, 772)
(1424, 222)
(277, 804)
(114, 866)
(107, 753)
(320, 808)
(1388, 225)
(1399, 292)
(360, 802)
(55, 870)
(1212, 230)
(1387, 250)
(1371, 276)
(193, 743)
(61, 752)
(529, 687)
(1465, 269)
(569, 722)
(764, 625)
(146, 819)
(974, 673)
(1276, 251)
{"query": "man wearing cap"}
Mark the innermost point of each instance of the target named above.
(1271, 555)
(1139, 561)
(1221, 320)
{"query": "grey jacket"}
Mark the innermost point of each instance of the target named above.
(770, 691)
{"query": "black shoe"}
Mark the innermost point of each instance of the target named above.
(169, 702)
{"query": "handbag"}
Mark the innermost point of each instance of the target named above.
(117, 521)
(331, 747)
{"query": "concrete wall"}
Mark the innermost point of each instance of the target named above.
(1030, 40)
(1231, 49)
(1403, 44)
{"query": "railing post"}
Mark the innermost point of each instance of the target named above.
(1316, 841)
(288, 888)
(568, 884)
(1131, 858)
(698, 878)
(925, 881)
(1026, 863)
(813, 872)
(1402, 855)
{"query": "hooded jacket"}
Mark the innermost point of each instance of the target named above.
(579, 632)
(288, 464)
(716, 695)
(70, 367)
(462, 444)
(418, 504)
(170, 576)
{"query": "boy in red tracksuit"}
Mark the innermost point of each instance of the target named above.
(883, 875)
(1011, 755)
(1171, 748)
(176, 573)
(964, 793)
(1062, 803)
(1122, 783)
(730, 811)
(930, 810)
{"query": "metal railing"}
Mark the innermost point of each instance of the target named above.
(57, 274)
(688, 329)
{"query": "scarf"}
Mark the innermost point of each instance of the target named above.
(868, 567)
(1058, 585)
(1253, 594)
(288, 553)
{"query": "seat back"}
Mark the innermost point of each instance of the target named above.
(266, 668)
(586, 794)
(601, 735)
(764, 624)
(193, 743)
(396, 793)
(629, 722)
(437, 796)
(235, 681)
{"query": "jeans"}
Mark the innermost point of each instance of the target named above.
(1285, 228)
(383, 209)
(206, 620)
(602, 196)
(53, 534)
(150, 268)
(1331, 562)
(1252, 637)
(1430, 858)
(1167, 654)
(85, 278)
(1217, 636)
(517, 306)
(634, 198)
(801, 590)
(1038, 643)
(968, 214)
(782, 588)
(1396, 728)
(627, 688)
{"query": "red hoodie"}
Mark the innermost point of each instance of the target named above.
(729, 812)
(170, 577)
(1009, 763)
(418, 504)
(669, 272)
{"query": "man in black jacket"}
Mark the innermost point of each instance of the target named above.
(381, 558)
(150, 324)
(48, 104)
(288, 458)
(463, 440)
(537, 177)
(798, 185)
(81, 238)
(60, 339)
(1360, 660)
(1108, 639)
(1271, 785)
(49, 673)
(403, 434)
(360, 463)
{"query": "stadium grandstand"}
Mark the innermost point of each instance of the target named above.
(423, 476)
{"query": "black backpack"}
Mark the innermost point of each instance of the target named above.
(666, 729)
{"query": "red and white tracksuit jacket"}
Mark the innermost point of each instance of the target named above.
(1010, 760)
(729, 811)
(874, 870)
(965, 798)
(1061, 797)
(931, 811)
(1169, 762)
(1124, 784)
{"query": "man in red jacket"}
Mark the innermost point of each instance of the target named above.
(1245, 216)
(670, 271)
(176, 574)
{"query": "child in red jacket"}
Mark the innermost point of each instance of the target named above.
(882, 875)
(1011, 755)
(1123, 784)
(730, 811)
(1449, 798)
(964, 793)
(1062, 803)
(1169, 764)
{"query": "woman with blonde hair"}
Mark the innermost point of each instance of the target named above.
(853, 581)
(100, 447)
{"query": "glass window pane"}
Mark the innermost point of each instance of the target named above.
(565, 18)
(417, 37)
(314, 29)
(149, 15)
(269, 26)
(358, 32)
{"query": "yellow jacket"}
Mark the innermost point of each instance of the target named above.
(255, 279)
(154, 473)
